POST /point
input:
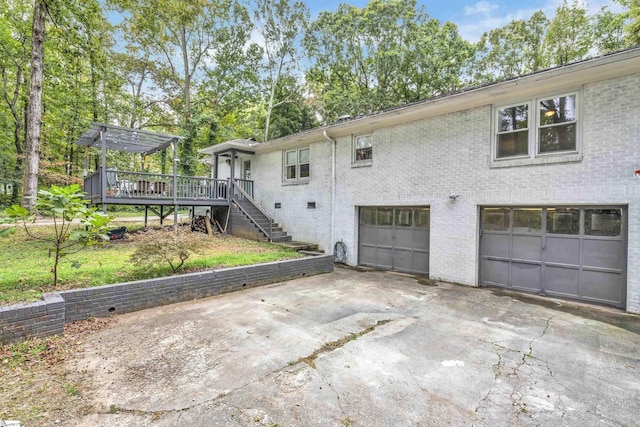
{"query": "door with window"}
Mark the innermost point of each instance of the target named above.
(394, 238)
(576, 252)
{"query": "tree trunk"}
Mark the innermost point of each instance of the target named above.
(34, 116)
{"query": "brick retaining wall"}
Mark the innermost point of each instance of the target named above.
(47, 317)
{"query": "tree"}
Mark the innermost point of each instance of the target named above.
(280, 24)
(295, 114)
(608, 31)
(569, 37)
(34, 114)
(632, 15)
(383, 55)
(14, 60)
(512, 50)
(183, 38)
(63, 205)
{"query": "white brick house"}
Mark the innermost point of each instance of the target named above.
(543, 166)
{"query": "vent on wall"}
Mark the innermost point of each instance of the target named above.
(278, 205)
(311, 205)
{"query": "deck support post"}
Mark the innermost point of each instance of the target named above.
(161, 214)
(103, 171)
(146, 215)
(175, 185)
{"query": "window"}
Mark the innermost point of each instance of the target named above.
(537, 127)
(557, 124)
(363, 148)
(296, 165)
(513, 131)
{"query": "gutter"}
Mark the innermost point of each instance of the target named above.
(333, 187)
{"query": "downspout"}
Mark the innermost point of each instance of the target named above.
(333, 187)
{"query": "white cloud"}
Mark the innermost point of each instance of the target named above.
(484, 16)
(480, 8)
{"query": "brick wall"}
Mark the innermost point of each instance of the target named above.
(301, 223)
(47, 317)
(421, 162)
(37, 319)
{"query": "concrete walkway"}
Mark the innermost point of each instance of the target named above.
(363, 349)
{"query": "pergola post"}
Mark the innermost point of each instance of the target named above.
(103, 172)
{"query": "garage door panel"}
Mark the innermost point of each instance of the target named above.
(601, 286)
(384, 258)
(495, 272)
(403, 260)
(495, 245)
(527, 248)
(368, 255)
(385, 237)
(562, 250)
(421, 262)
(368, 236)
(525, 276)
(403, 238)
(603, 253)
(421, 239)
(561, 280)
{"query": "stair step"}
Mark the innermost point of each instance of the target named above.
(281, 239)
(301, 246)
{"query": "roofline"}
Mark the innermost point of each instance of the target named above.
(474, 96)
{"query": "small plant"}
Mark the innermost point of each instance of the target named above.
(159, 247)
(63, 205)
(71, 389)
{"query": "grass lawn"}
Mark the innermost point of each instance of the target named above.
(25, 266)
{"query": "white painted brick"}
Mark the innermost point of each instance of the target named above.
(421, 162)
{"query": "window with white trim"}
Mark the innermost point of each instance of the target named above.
(296, 165)
(363, 148)
(537, 127)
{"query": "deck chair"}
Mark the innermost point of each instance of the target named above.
(113, 186)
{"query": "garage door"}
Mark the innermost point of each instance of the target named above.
(395, 238)
(576, 252)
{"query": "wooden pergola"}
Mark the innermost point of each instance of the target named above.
(118, 138)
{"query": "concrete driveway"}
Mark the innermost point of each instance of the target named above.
(363, 349)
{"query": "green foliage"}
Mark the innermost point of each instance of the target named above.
(63, 205)
(632, 20)
(166, 247)
(383, 55)
(569, 36)
(512, 50)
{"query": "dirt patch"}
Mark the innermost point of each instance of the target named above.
(34, 384)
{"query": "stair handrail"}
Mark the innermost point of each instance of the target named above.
(254, 221)
(253, 202)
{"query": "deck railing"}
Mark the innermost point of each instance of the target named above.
(143, 185)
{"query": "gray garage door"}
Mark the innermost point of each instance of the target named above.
(576, 252)
(395, 238)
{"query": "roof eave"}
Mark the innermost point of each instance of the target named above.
(572, 75)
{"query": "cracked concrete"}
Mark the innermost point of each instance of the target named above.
(361, 349)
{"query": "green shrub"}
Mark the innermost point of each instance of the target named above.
(156, 247)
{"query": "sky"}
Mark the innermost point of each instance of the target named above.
(474, 17)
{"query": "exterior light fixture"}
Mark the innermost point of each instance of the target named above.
(453, 197)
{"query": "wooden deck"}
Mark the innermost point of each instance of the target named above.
(147, 189)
